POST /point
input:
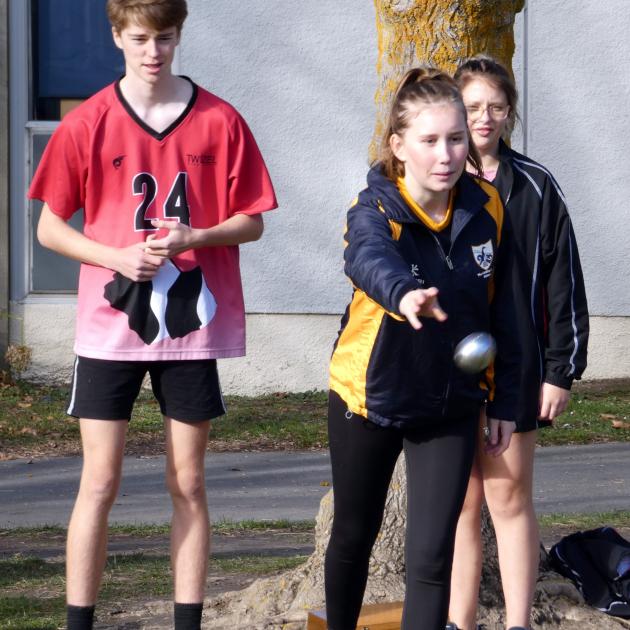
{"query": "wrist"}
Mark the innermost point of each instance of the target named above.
(198, 237)
(554, 378)
(108, 257)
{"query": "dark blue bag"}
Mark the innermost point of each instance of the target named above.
(598, 563)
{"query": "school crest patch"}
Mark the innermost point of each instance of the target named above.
(483, 255)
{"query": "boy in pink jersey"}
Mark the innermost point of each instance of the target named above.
(170, 181)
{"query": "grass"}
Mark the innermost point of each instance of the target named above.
(615, 518)
(150, 530)
(591, 418)
(32, 593)
(32, 590)
(33, 421)
(30, 613)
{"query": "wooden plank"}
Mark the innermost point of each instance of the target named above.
(386, 616)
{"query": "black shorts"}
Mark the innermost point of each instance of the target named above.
(106, 390)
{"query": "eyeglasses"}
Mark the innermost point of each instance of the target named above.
(497, 112)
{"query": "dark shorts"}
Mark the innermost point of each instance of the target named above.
(531, 425)
(527, 414)
(106, 390)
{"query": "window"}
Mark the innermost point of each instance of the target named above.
(50, 272)
(73, 54)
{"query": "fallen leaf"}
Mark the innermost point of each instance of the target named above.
(25, 405)
(607, 416)
(619, 424)
(325, 484)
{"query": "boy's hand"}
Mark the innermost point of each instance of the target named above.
(421, 302)
(135, 263)
(179, 239)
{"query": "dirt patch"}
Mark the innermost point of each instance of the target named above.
(604, 386)
(136, 612)
(51, 546)
(145, 445)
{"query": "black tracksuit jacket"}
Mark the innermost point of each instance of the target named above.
(549, 295)
(384, 369)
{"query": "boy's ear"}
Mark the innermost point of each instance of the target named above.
(116, 37)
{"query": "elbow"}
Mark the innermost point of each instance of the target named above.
(258, 232)
(43, 235)
(46, 228)
(257, 229)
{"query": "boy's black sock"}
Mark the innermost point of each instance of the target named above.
(188, 616)
(80, 617)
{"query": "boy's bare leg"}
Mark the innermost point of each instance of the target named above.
(103, 444)
(190, 526)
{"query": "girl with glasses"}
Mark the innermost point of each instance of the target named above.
(552, 322)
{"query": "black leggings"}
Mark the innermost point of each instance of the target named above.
(363, 455)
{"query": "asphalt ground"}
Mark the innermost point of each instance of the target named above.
(285, 485)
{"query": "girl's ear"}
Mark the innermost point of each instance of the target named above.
(397, 147)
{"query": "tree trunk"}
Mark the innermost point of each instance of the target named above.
(283, 601)
(439, 33)
(410, 32)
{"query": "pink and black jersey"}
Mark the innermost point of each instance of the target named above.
(203, 169)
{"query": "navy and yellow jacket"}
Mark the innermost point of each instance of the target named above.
(547, 279)
(381, 367)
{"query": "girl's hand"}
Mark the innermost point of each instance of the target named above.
(421, 303)
(553, 401)
(498, 436)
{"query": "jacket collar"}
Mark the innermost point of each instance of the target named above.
(381, 191)
(504, 179)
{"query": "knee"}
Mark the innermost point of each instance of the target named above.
(100, 490)
(186, 486)
(508, 499)
(428, 568)
(351, 541)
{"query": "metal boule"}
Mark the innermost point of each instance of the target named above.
(475, 352)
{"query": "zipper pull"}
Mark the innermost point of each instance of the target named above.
(449, 262)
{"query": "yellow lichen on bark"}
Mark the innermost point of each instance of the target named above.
(439, 33)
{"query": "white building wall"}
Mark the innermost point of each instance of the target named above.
(578, 89)
(304, 76)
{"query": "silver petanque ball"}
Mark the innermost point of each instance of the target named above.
(475, 352)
